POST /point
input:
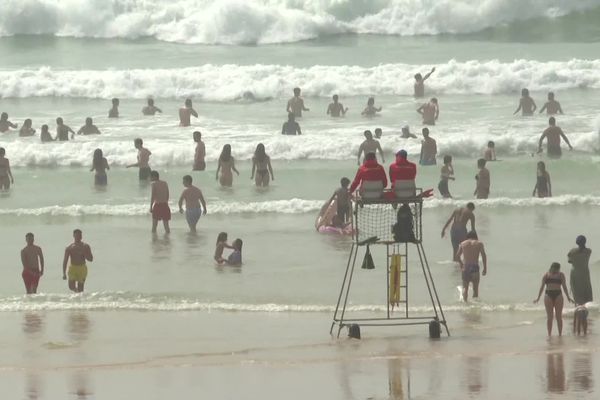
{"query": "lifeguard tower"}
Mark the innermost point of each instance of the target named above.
(391, 224)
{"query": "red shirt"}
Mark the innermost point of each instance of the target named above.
(402, 170)
(369, 171)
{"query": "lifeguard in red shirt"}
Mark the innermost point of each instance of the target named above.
(403, 173)
(370, 177)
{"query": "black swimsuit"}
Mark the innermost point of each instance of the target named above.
(553, 293)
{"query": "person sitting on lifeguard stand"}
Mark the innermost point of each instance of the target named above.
(402, 176)
(371, 178)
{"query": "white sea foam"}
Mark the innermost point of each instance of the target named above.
(267, 21)
(292, 206)
(101, 301)
(230, 82)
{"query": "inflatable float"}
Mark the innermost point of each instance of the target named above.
(323, 221)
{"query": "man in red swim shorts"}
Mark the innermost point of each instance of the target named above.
(33, 264)
(159, 202)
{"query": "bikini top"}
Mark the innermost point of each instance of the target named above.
(556, 281)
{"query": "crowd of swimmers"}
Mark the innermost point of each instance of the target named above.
(466, 246)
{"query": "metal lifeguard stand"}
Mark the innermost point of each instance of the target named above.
(374, 219)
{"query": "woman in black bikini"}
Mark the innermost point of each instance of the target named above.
(261, 167)
(553, 280)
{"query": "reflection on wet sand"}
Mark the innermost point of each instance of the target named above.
(472, 379)
(78, 329)
(555, 373)
(32, 323)
(161, 247)
(32, 386)
(395, 369)
(581, 378)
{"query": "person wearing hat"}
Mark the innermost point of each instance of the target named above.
(579, 258)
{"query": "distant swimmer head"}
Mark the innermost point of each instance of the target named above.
(225, 153)
(27, 123)
(89, 121)
(4, 116)
(472, 235)
(2, 151)
(77, 235)
(59, 121)
(481, 163)
(345, 182)
(291, 117)
(418, 77)
(541, 166)
(471, 206)
(260, 153)
(98, 154)
(150, 101)
(368, 134)
(405, 131)
(187, 180)
(221, 237)
(188, 102)
(197, 135)
(434, 100)
(370, 157)
(552, 121)
(238, 244)
(425, 132)
(525, 92)
(138, 143)
(29, 238)
(296, 91)
(402, 154)
(154, 175)
(581, 241)
(335, 98)
(447, 159)
(491, 144)
(45, 128)
(378, 133)
(248, 95)
(555, 267)
(115, 102)
(371, 101)
(550, 96)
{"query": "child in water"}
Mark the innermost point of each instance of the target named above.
(447, 173)
(235, 258)
(221, 245)
(543, 186)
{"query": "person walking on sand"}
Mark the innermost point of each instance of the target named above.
(192, 197)
(369, 145)
(336, 109)
(6, 176)
(554, 134)
(428, 149)
(226, 165)
(295, 105)
(186, 112)
(470, 250)
(526, 104)
(100, 165)
(32, 259)
(581, 285)
(420, 83)
(200, 154)
(446, 174)
(159, 202)
(543, 186)
(458, 231)
(551, 106)
(430, 111)
(553, 280)
(261, 167)
(143, 160)
(150, 108)
(482, 181)
(78, 252)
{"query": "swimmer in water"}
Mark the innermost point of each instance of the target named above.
(6, 176)
(5, 124)
(553, 134)
(551, 106)
(192, 196)
(526, 104)
(446, 174)
(378, 133)
(186, 112)
(45, 134)
(420, 83)
(62, 131)
(150, 108)
(483, 180)
(159, 202)
(200, 153)
(220, 246)
(470, 250)
(553, 280)
(143, 160)
(226, 165)
(490, 153)
(78, 252)
(295, 105)
(369, 145)
(430, 111)
(114, 111)
(100, 165)
(89, 128)
(26, 129)
(235, 258)
(336, 109)
(406, 133)
(428, 149)
(370, 110)
(261, 167)
(32, 259)
(458, 231)
(543, 186)
(291, 127)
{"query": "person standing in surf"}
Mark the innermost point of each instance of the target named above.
(159, 202)
(5, 124)
(553, 134)
(32, 259)
(446, 174)
(430, 111)
(291, 127)
(226, 165)
(458, 231)
(295, 105)
(543, 186)
(192, 197)
(78, 252)
(143, 160)
(470, 249)
(420, 83)
(200, 154)
(150, 108)
(369, 145)
(526, 104)
(114, 110)
(62, 131)
(89, 128)
(370, 110)
(490, 152)
(100, 165)
(26, 128)
(6, 176)
(428, 149)
(336, 109)
(551, 106)
(581, 285)
(482, 181)
(261, 167)
(553, 280)
(186, 112)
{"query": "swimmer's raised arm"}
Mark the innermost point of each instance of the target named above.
(429, 74)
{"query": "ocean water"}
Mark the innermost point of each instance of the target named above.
(69, 58)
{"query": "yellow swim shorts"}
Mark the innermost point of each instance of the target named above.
(77, 273)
